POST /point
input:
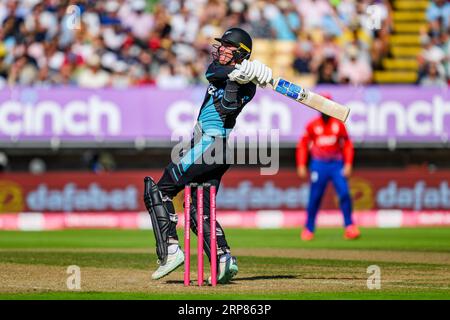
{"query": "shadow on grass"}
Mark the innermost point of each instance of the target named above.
(270, 277)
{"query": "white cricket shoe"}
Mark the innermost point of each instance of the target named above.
(173, 261)
(228, 269)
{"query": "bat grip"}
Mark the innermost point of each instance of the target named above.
(271, 82)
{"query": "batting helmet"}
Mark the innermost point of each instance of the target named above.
(241, 40)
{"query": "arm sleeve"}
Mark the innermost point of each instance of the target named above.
(230, 100)
(217, 72)
(348, 149)
(302, 148)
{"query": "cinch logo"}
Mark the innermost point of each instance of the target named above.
(420, 118)
(258, 116)
(78, 117)
(11, 197)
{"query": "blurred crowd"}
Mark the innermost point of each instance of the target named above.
(122, 43)
(342, 41)
(434, 60)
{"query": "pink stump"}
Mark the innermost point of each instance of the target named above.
(187, 238)
(200, 234)
(213, 240)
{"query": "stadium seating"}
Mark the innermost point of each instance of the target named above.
(409, 20)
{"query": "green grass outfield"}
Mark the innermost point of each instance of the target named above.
(273, 264)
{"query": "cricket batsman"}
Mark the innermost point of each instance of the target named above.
(331, 157)
(232, 84)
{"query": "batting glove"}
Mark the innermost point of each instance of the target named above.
(239, 76)
(257, 71)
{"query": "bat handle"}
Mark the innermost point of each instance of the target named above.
(271, 82)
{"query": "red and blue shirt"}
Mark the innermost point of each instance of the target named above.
(326, 141)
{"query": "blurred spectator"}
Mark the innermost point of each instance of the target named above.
(172, 77)
(284, 20)
(91, 20)
(120, 78)
(260, 26)
(328, 72)
(432, 56)
(23, 71)
(346, 10)
(434, 76)
(12, 22)
(313, 12)
(354, 69)
(445, 40)
(432, 50)
(134, 16)
(65, 77)
(303, 57)
(144, 79)
(380, 48)
(331, 24)
(328, 49)
(93, 76)
(184, 26)
(355, 42)
(439, 10)
(213, 12)
(3, 66)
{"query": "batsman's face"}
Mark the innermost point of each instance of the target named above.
(225, 53)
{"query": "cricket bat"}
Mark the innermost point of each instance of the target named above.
(310, 99)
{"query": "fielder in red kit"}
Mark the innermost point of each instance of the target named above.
(330, 151)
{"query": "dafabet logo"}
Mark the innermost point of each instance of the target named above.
(11, 197)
